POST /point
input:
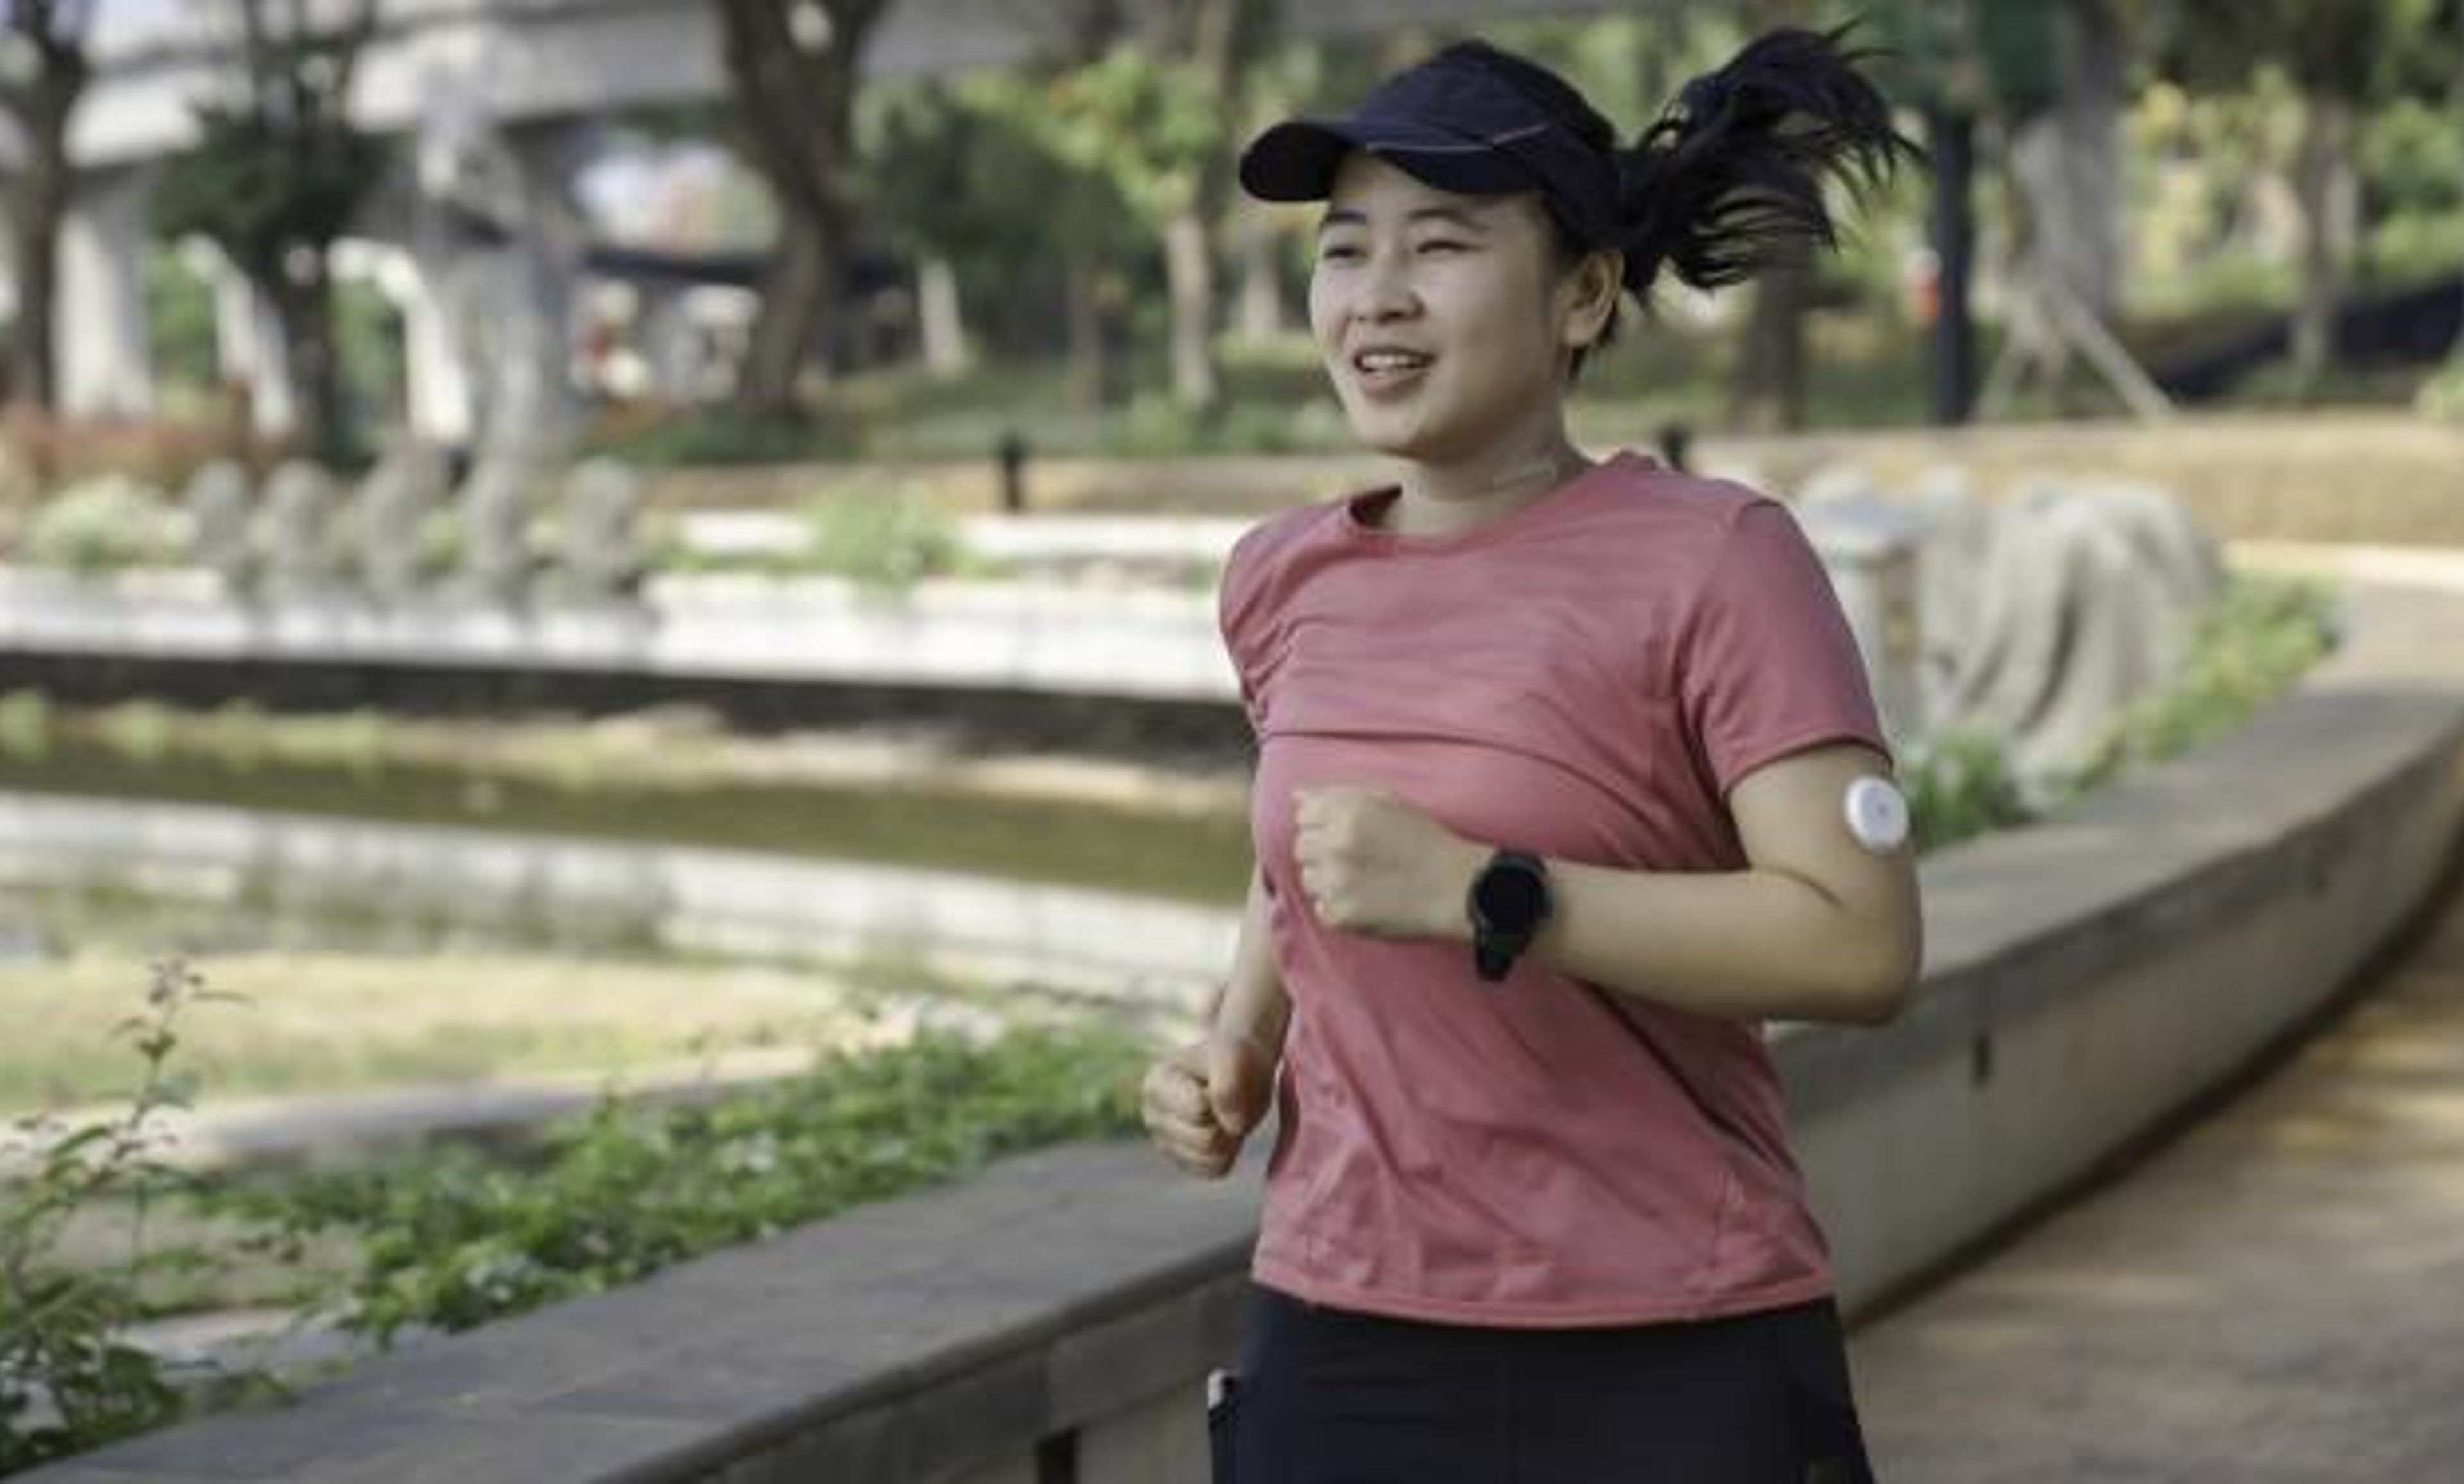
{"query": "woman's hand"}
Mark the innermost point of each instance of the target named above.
(1201, 1100)
(1370, 863)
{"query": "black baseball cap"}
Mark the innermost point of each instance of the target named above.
(1458, 122)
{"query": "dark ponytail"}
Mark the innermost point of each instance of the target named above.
(1731, 178)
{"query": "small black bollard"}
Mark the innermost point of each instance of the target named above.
(1012, 453)
(1674, 438)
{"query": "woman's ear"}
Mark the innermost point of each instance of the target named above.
(1587, 295)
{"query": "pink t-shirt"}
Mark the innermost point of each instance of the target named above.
(1586, 678)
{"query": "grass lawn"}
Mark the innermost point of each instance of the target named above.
(330, 1022)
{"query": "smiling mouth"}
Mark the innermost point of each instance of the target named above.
(1379, 369)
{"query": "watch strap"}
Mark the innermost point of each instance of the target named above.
(1494, 952)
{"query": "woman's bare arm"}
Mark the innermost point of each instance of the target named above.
(1199, 1101)
(1251, 1002)
(1818, 928)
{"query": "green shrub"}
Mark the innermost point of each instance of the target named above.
(883, 537)
(61, 1324)
(103, 525)
(26, 725)
(2257, 641)
(140, 731)
(2442, 396)
(2259, 638)
(453, 1239)
(1959, 786)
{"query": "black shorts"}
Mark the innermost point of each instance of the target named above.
(1328, 1396)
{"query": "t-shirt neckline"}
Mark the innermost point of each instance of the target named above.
(1356, 525)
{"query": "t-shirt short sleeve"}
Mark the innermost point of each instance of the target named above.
(1237, 618)
(1768, 665)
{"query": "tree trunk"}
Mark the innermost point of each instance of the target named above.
(1951, 140)
(35, 207)
(1189, 265)
(798, 290)
(1224, 37)
(38, 203)
(795, 70)
(304, 309)
(2324, 184)
(1769, 393)
(2082, 225)
(1089, 370)
(1260, 314)
(942, 319)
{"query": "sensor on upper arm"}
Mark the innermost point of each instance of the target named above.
(1877, 815)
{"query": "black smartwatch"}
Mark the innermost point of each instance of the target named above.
(1507, 903)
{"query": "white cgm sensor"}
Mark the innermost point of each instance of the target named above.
(1877, 815)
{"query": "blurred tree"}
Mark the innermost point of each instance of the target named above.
(2063, 75)
(2343, 57)
(2451, 18)
(795, 67)
(1156, 115)
(1938, 64)
(2066, 145)
(274, 177)
(181, 332)
(920, 156)
(960, 166)
(43, 65)
(2054, 79)
(1767, 392)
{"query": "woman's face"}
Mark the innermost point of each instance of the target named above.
(1464, 293)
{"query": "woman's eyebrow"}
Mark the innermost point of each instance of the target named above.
(1454, 215)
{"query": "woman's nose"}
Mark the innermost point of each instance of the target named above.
(1385, 288)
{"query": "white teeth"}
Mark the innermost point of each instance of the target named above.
(1388, 361)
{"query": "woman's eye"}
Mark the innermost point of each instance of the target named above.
(1337, 253)
(1441, 245)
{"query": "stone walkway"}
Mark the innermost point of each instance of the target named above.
(2275, 1296)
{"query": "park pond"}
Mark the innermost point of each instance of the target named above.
(403, 920)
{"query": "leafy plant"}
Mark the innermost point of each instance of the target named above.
(883, 539)
(68, 1380)
(101, 525)
(142, 731)
(26, 725)
(2441, 397)
(1959, 786)
(276, 173)
(453, 1239)
(2259, 639)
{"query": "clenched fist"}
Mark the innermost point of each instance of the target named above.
(1201, 1100)
(1373, 863)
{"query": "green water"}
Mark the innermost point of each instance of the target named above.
(1199, 860)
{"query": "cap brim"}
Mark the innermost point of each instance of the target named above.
(1297, 160)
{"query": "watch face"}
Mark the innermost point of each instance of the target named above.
(1511, 899)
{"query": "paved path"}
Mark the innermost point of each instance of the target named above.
(2275, 1296)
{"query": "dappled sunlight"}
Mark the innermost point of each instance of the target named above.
(2433, 1117)
(2258, 1284)
(328, 1022)
(2101, 1290)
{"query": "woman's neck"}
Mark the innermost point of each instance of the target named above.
(1457, 495)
